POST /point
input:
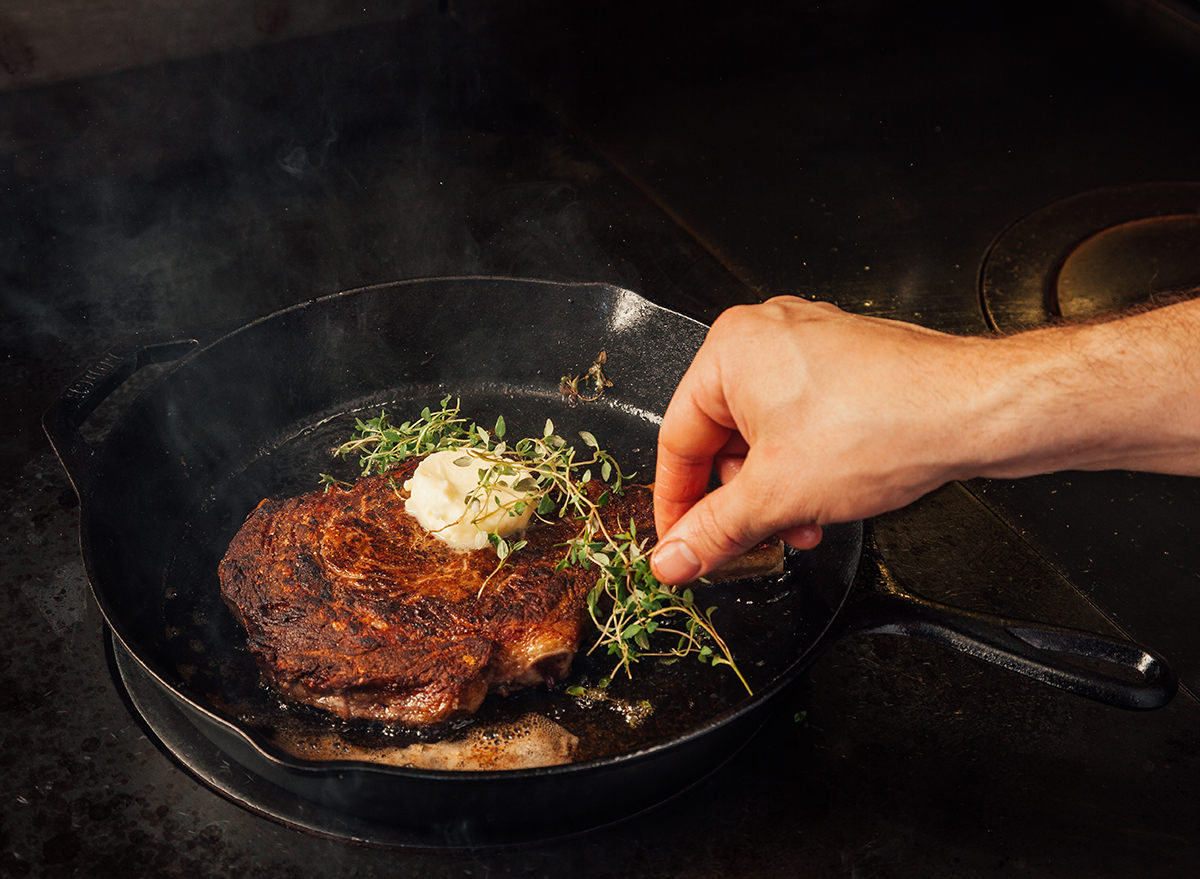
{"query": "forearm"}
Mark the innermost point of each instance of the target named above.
(1118, 395)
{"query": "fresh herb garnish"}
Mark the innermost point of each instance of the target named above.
(628, 604)
(595, 378)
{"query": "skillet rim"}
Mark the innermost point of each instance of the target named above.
(277, 756)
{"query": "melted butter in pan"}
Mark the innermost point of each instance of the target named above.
(524, 743)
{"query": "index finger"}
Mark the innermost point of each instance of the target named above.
(688, 442)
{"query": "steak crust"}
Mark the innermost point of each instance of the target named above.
(351, 606)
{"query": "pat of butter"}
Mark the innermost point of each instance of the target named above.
(438, 498)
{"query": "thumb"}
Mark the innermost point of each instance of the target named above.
(718, 527)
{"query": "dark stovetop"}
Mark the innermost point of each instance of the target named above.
(864, 151)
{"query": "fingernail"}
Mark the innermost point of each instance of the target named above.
(674, 562)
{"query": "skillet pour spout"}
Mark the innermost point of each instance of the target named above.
(238, 416)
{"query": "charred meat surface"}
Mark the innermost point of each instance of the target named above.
(351, 606)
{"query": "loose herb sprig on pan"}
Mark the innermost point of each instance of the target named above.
(628, 604)
(595, 378)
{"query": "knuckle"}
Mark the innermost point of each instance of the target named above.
(727, 320)
(720, 535)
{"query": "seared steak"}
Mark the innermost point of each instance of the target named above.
(350, 605)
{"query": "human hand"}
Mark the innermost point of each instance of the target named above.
(809, 416)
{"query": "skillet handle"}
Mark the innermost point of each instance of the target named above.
(62, 421)
(1115, 672)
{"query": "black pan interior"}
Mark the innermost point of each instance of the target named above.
(255, 413)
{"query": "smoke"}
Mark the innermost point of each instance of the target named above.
(225, 188)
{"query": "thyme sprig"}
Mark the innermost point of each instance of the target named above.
(595, 378)
(628, 604)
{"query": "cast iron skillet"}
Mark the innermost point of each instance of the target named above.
(252, 414)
